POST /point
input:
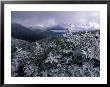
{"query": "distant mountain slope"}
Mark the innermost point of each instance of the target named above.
(21, 32)
(31, 35)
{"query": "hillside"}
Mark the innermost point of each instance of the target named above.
(33, 34)
(67, 55)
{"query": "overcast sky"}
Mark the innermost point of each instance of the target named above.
(51, 18)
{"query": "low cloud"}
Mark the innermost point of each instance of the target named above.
(51, 18)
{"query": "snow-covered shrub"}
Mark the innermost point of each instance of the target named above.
(69, 55)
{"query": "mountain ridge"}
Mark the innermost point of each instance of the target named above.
(29, 34)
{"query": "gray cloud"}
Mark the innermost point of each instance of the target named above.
(50, 18)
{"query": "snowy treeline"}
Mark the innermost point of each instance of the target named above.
(67, 55)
